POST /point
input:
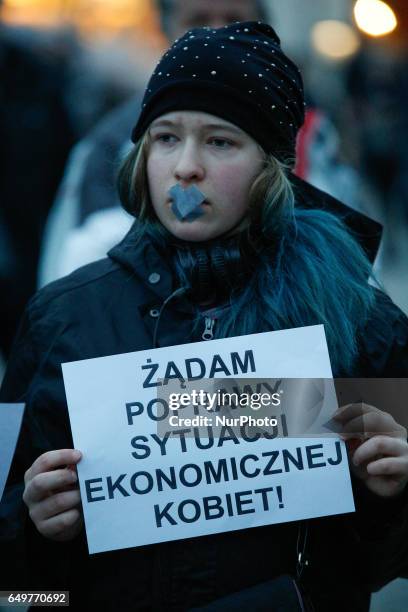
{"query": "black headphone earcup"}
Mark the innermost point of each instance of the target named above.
(211, 270)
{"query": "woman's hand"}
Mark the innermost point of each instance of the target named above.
(377, 447)
(52, 496)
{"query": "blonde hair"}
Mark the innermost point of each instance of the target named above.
(133, 185)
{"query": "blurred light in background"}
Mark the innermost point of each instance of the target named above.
(335, 40)
(120, 39)
(93, 18)
(375, 17)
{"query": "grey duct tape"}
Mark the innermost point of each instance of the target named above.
(186, 202)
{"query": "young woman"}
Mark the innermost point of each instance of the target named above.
(226, 243)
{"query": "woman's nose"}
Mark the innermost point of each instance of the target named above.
(189, 165)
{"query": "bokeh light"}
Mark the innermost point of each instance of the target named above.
(91, 17)
(335, 40)
(374, 17)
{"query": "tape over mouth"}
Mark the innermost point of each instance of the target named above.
(186, 203)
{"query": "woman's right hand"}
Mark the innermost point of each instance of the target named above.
(52, 496)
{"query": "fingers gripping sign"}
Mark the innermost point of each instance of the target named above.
(52, 495)
(378, 448)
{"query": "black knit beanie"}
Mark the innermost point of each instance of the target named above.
(239, 73)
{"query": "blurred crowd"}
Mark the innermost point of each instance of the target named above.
(65, 124)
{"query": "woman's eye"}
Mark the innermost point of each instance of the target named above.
(221, 143)
(166, 138)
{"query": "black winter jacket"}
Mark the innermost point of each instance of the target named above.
(110, 307)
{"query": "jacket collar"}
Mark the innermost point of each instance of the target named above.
(142, 258)
(365, 230)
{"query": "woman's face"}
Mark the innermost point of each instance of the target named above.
(195, 148)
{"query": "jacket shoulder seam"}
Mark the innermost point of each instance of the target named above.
(39, 300)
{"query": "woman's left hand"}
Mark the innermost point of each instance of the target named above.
(378, 448)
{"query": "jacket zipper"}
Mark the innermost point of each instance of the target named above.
(208, 333)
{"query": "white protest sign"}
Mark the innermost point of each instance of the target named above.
(10, 422)
(138, 488)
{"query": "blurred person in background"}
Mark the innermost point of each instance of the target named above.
(35, 138)
(319, 159)
(378, 89)
(95, 79)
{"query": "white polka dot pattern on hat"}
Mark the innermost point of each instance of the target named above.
(249, 51)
